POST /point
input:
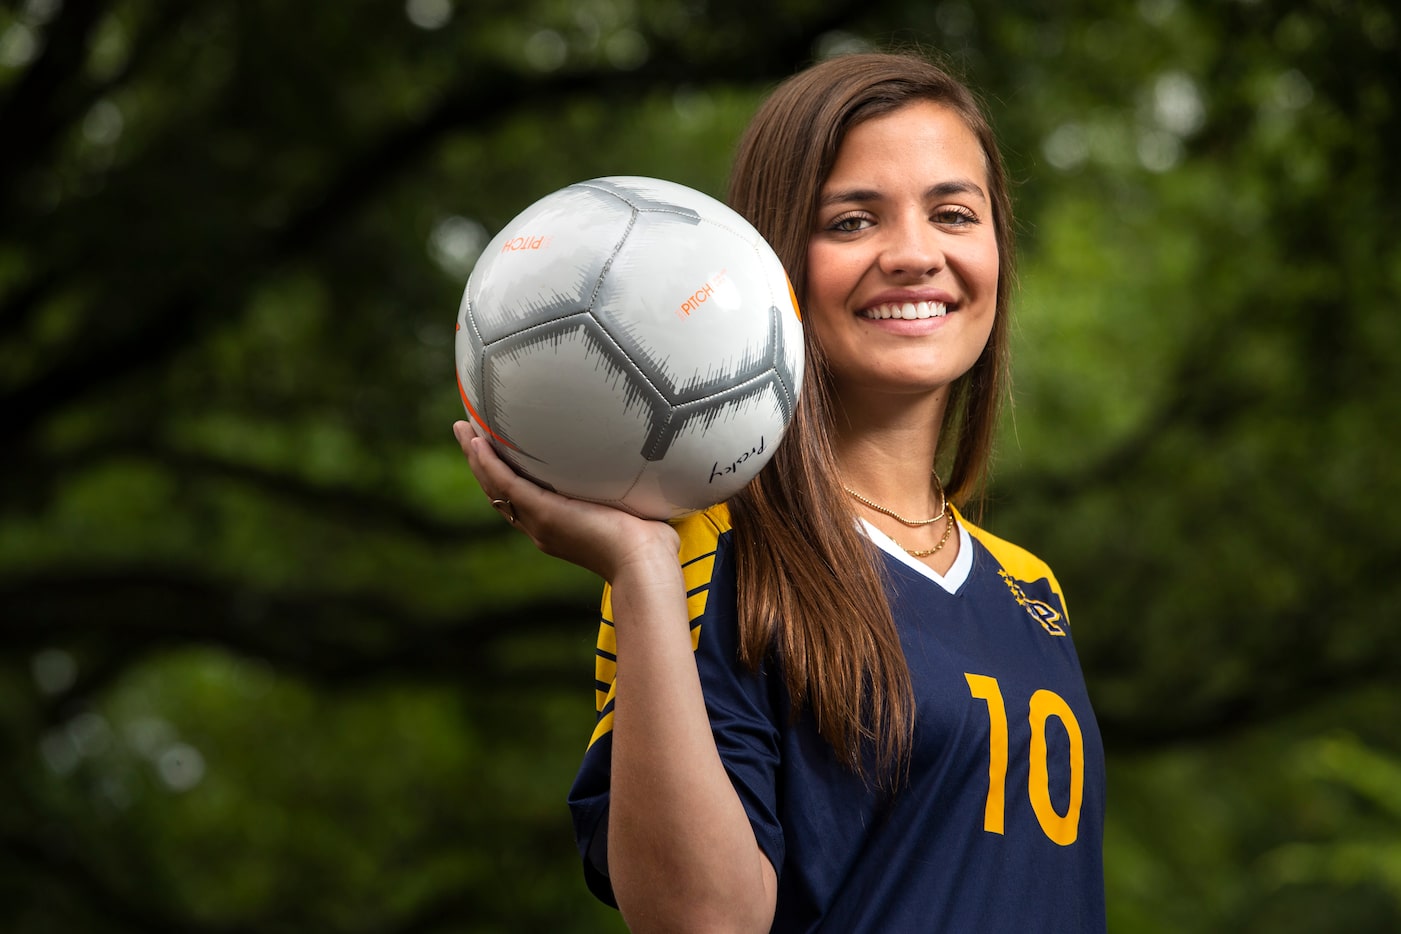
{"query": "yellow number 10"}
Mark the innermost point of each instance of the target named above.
(1061, 828)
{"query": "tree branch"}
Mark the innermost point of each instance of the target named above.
(35, 110)
(33, 854)
(117, 615)
(359, 507)
(477, 101)
(1157, 728)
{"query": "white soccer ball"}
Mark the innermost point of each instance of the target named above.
(631, 341)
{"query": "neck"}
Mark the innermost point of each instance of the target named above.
(885, 451)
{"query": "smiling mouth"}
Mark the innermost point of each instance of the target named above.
(909, 311)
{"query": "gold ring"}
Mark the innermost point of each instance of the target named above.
(509, 512)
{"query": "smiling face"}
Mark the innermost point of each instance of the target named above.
(903, 260)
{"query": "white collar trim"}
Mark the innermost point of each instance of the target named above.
(950, 581)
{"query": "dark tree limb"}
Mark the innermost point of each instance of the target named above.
(478, 100)
(91, 888)
(119, 615)
(37, 106)
(355, 507)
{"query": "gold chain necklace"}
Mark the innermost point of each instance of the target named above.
(926, 552)
(912, 523)
(944, 513)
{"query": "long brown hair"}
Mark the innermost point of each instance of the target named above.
(810, 584)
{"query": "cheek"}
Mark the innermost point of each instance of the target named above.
(819, 270)
(821, 289)
(983, 267)
(832, 274)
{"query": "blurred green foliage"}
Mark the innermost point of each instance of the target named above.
(269, 663)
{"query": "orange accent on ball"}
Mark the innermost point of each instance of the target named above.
(478, 419)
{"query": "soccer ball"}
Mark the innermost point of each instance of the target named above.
(631, 341)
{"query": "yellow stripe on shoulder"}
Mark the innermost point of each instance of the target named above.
(1016, 560)
(700, 536)
(602, 728)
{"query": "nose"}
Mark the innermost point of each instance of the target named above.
(912, 249)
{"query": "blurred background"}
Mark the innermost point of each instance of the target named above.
(269, 663)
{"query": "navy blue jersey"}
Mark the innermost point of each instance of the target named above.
(999, 826)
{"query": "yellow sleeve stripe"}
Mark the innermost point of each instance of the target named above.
(605, 671)
(699, 534)
(605, 666)
(602, 728)
(697, 575)
(607, 637)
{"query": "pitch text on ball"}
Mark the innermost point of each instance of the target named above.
(525, 243)
(701, 295)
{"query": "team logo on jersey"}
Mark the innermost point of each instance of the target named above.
(1039, 610)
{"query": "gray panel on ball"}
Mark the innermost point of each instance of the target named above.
(612, 367)
(719, 444)
(705, 411)
(701, 324)
(547, 262)
(787, 381)
(639, 201)
(773, 356)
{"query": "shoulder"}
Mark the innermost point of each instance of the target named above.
(1014, 559)
(701, 532)
(704, 535)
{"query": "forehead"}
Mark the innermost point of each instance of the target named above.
(921, 138)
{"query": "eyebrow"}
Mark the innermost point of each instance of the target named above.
(957, 186)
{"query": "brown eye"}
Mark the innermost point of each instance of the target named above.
(955, 217)
(849, 223)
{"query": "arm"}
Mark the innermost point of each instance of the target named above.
(681, 852)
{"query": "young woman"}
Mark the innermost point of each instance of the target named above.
(833, 703)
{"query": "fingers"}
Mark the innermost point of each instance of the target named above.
(503, 486)
(491, 472)
(599, 538)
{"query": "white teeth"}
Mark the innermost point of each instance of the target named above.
(910, 311)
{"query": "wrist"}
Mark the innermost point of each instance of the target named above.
(651, 558)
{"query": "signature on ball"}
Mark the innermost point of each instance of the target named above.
(733, 466)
